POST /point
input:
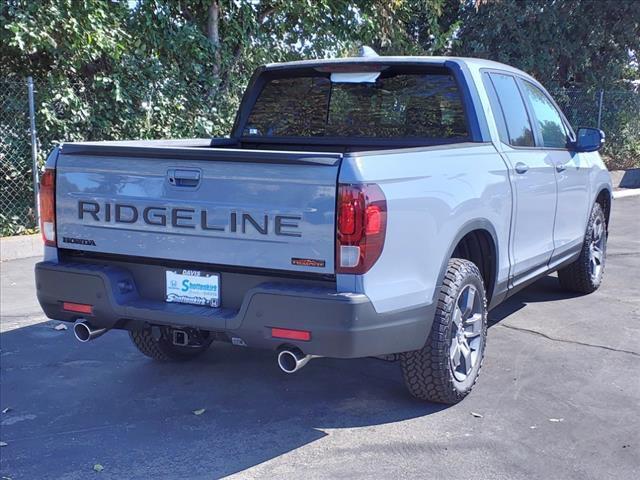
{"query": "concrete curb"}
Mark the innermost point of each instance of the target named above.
(626, 183)
(20, 246)
(631, 192)
(626, 178)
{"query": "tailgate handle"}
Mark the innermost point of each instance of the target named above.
(184, 178)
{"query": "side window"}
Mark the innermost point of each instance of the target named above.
(514, 111)
(554, 134)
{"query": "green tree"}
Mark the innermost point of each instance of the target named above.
(107, 69)
(578, 43)
(586, 45)
(164, 68)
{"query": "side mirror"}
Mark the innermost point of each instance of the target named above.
(589, 139)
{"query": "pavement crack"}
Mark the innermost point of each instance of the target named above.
(564, 340)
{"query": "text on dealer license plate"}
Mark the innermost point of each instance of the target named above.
(193, 287)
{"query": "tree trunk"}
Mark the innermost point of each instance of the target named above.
(213, 34)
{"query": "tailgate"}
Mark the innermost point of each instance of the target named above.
(272, 210)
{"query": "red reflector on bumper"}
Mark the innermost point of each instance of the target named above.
(77, 307)
(291, 334)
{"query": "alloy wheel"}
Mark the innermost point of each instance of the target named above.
(466, 333)
(596, 250)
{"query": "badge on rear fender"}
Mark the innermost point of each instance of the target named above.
(193, 287)
(308, 262)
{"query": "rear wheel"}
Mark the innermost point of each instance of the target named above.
(447, 367)
(158, 343)
(585, 274)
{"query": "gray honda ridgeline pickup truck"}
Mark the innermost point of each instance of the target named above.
(370, 206)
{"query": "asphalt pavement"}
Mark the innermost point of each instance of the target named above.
(558, 397)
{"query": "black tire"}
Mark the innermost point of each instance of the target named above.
(582, 276)
(429, 373)
(157, 343)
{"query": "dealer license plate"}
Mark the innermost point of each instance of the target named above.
(193, 287)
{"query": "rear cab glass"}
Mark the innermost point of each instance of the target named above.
(397, 104)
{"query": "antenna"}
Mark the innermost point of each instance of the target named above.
(366, 51)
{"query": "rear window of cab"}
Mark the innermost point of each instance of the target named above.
(395, 105)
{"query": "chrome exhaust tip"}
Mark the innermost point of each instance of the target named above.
(292, 360)
(84, 332)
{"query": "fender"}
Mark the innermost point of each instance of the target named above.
(601, 186)
(599, 189)
(499, 286)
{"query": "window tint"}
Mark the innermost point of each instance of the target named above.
(394, 106)
(290, 107)
(515, 114)
(554, 135)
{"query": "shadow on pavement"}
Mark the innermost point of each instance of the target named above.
(543, 290)
(74, 405)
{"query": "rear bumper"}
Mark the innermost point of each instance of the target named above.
(342, 325)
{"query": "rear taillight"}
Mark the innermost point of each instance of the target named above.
(48, 207)
(361, 227)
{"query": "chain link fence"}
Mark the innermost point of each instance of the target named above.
(18, 212)
(616, 112)
(82, 118)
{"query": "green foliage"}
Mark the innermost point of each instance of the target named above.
(429, 26)
(568, 44)
(114, 69)
(106, 70)
(166, 68)
(16, 184)
(622, 127)
(579, 44)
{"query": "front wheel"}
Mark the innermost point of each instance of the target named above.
(585, 274)
(447, 367)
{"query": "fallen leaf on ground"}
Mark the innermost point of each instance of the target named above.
(200, 411)
(477, 415)
(3, 444)
(60, 326)
(98, 468)
(556, 420)
(5, 410)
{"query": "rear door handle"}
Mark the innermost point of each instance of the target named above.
(521, 168)
(184, 178)
(560, 167)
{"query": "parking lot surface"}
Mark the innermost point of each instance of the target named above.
(558, 397)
